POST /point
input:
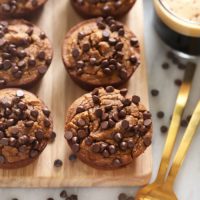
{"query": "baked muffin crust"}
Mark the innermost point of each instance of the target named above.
(25, 128)
(108, 130)
(101, 52)
(25, 53)
(97, 8)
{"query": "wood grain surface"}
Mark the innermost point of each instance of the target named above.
(58, 91)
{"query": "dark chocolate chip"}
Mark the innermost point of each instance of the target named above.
(117, 162)
(42, 69)
(75, 53)
(86, 47)
(47, 123)
(147, 122)
(68, 135)
(160, 114)
(125, 124)
(118, 137)
(130, 143)
(105, 153)
(154, 92)
(165, 65)
(58, 163)
(46, 112)
(80, 109)
(122, 196)
(34, 113)
(178, 82)
(88, 141)
(96, 148)
(105, 35)
(126, 102)
(75, 148)
(39, 135)
(147, 141)
(95, 99)
(112, 149)
(134, 42)
(63, 194)
(72, 157)
(123, 74)
(123, 146)
(136, 99)
(109, 89)
(33, 153)
(122, 114)
(99, 112)
(164, 129)
(81, 123)
(104, 125)
(123, 91)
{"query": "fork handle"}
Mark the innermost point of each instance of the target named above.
(175, 123)
(184, 146)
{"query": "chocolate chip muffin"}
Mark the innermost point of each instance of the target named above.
(25, 128)
(107, 129)
(19, 8)
(101, 52)
(97, 8)
(25, 53)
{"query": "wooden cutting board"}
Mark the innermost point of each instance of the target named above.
(58, 92)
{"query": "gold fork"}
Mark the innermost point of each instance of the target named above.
(173, 131)
(165, 191)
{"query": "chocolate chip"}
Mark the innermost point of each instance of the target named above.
(39, 135)
(86, 47)
(109, 89)
(96, 148)
(75, 53)
(184, 123)
(7, 64)
(75, 148)
(117, 162)
(118, 137)
(29, 124)
(154, 92)
(119, 46)
(81, 123)
(72, 157)
(99, 112)
(63, 194)
(20, 93)
(42, 69)
(95, 99)
(81, 134)
(134, 42)
(112, 149)
(33, 153)
(125, 124)
(4, 141)
(122, 196)
(147, 122)
(165, 65)
(47, 123)
(136, 99)
(52, 136)
(32, 62)
(112, 41)
(123, 74)
(123, 146)
(101, 25)
(164, 129)
(147, 115)
(160, 114)
(42, 35)
(93, 61)
(122, 114)
(123, 91)
(80, 109)
(88, 141)
(147, 141)
(178, 82)
(121, 32)
(130, 143)
(104, 125)
(105, 153)
(126, 102)
(58, 163)
(34, 113)
(2, 159)
(133, 59)
(46, 112)
(68, 135)
(111, 123)
(105, 35)
(74, 140)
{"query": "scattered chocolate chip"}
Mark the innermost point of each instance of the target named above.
(109, 89)
(72, 157)
(147, 141)
(164, 129)
(75, 148)
(96, 148)
(117, 162)
(88, 141)
(125, 124)
(165, 65)
(63, 194)
(75, 53)
(112, 149)
(58, 163)
(122, 196)
(104, 125)
(184, 123)
(178, 82)
(81, 123)
(160, 114)
(154, 92)
(80, 109)
(123, 91)
(99, 112)
(33, 153)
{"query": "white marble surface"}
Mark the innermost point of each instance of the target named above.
(187, 185)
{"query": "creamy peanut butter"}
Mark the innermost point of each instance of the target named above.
(184, 9)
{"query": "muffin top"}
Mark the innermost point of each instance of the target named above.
(107, 129)
(105, 7)
(101, 52)
(25, 53)
(25, 127)
(19, 7)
